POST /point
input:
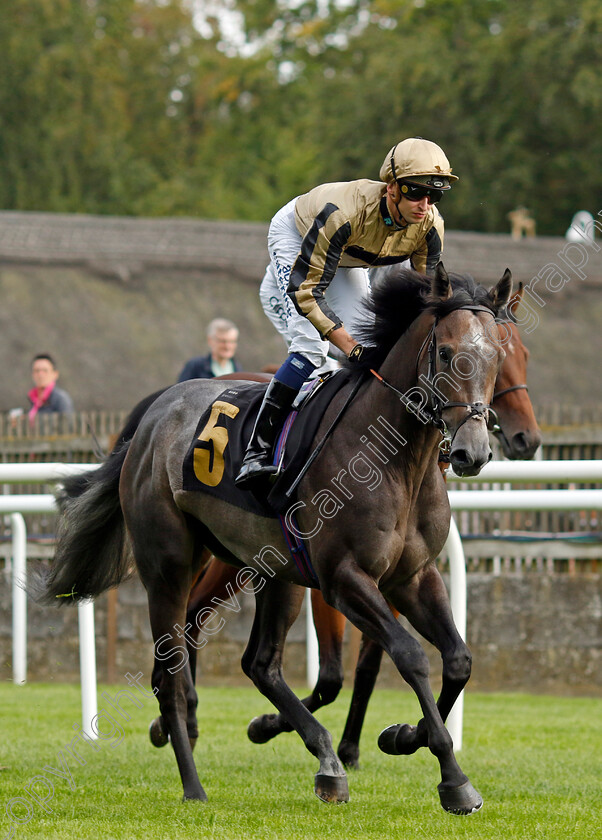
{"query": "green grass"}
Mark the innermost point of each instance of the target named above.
(537, 761)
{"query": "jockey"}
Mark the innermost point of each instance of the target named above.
(320, 245)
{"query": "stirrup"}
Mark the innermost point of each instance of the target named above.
(253, 472)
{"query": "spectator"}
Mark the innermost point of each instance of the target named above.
(45, 396)
(222, 338)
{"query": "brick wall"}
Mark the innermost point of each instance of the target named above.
(532, 632)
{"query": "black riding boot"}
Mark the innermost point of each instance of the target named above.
(257, 462)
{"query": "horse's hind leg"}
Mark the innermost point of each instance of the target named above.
(158, 730)
(354, 592)
(424, 602)
(164, 551)
(330, 627)
(278, 605)
(167, 619)
(366, 672)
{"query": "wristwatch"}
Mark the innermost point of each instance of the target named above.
(355, 354)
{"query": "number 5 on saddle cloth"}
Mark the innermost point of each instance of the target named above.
(217, 449)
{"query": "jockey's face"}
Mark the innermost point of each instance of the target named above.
(404, 209)
(413, 211)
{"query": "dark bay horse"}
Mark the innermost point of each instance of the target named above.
(514, 425)
(437, 356)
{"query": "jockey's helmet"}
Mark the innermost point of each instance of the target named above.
(420, 162)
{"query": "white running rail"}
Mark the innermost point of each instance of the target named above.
(588, 472)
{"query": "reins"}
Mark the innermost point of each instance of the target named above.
(327, 434)
(432, 416)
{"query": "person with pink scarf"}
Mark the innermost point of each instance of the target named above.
(45, 396)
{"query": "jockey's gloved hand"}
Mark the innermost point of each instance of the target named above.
(355, 354)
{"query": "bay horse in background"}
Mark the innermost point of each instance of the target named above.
(514, 424)
(380, 547)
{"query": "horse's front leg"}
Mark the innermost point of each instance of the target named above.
(330, 627)
(351, 590)
(425, 603)
(278, 604)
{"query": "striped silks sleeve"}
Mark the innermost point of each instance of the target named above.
(316, 265)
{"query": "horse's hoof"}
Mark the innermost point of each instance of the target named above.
(331, 788)
(350, 755)
(192, 742)
(157, 734)
(398, 739)
(256, 731)
(386, 739)
(199, 796)
(461, 801)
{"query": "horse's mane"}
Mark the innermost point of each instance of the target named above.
(397, 300)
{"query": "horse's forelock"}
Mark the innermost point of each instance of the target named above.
(462, 298)
(467, 292)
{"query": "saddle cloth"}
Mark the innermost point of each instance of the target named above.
(222, 433)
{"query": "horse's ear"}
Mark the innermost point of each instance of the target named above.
(516, 299)
(500, 294)
(441, 288)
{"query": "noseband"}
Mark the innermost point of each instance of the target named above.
(433, 415)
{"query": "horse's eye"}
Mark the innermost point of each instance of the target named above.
(445, 355)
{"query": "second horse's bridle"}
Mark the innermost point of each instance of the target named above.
(496, 428)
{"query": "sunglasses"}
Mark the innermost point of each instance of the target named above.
(416, 193)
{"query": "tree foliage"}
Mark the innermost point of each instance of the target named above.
(127, 107)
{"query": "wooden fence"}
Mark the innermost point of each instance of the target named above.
(511, 540)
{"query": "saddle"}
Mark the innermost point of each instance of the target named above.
(223, 431)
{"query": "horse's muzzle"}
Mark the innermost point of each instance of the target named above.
(466, 463)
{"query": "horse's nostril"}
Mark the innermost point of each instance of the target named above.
(519, 442)
(462, 458)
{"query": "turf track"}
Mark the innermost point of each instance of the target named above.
(536, 760)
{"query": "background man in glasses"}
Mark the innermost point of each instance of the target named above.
(222, 338)
(321, 245)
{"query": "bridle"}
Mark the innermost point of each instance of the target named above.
(433, 414)
(508, 390)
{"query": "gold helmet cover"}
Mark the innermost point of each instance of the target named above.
(418, 161)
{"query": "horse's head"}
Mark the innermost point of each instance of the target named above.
(515, 424)
(462, 363)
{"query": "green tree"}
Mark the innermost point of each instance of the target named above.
(124, 106)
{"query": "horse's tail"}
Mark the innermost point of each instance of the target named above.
(92, 549)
